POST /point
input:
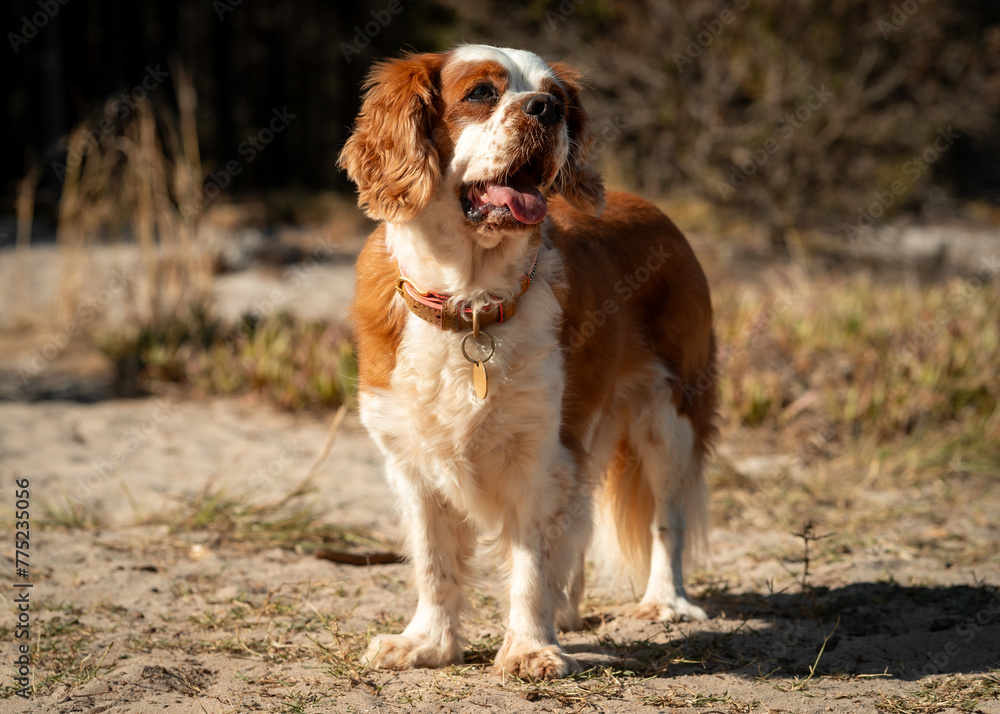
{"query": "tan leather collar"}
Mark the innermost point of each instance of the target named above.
(438, 310)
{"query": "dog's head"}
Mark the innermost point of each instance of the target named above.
(479, 135)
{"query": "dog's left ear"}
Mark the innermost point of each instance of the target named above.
(578, 181)
(391, 155)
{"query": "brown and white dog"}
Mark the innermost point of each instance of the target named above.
(528, 346)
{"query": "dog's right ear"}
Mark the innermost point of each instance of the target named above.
(391, 155)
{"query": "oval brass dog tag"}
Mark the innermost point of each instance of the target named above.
(479, 379)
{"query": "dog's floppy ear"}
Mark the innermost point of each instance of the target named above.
(390, 155)
(578, 181)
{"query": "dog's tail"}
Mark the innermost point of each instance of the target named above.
(625, 506)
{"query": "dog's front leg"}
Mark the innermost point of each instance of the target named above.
(530, 649)
(440, 543)
(545, 545)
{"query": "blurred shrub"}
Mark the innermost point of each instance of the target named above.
(297, 364)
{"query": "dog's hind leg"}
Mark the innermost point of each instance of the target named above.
(568, 601)
(570, 533)
(664, 442)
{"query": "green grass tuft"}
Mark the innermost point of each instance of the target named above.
(297, 364)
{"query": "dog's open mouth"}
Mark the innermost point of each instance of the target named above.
(514, 195)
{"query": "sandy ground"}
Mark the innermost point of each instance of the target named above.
(131, 615)
(180, 622)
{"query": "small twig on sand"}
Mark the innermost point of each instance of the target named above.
(800, 684)
(342, 556)
(807, 534)
(306, 483)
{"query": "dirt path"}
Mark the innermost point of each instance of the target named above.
(177, 616)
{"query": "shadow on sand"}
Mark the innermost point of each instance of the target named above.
(861, 629)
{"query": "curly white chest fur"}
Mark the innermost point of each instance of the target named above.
(489, 456)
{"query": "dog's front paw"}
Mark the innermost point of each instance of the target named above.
(527, 662)
(409, 651)
(680, 610)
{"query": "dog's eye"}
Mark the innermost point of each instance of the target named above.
(481, 93)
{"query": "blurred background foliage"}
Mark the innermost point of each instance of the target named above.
(801, 113)
(182, 128)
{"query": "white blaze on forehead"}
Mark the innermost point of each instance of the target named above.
(526, 69)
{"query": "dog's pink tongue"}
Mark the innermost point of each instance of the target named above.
(521, 197)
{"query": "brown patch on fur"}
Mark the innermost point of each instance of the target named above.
(632, 271)
(376, 315)
(636, 296)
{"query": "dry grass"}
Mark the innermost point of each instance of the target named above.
(965, 694)
(137, 180)
(231, 522)
(876, 363)
(297, 365)
(65, 648)
(851, 386)
(218, 516)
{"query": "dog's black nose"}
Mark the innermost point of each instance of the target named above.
(545, 108)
